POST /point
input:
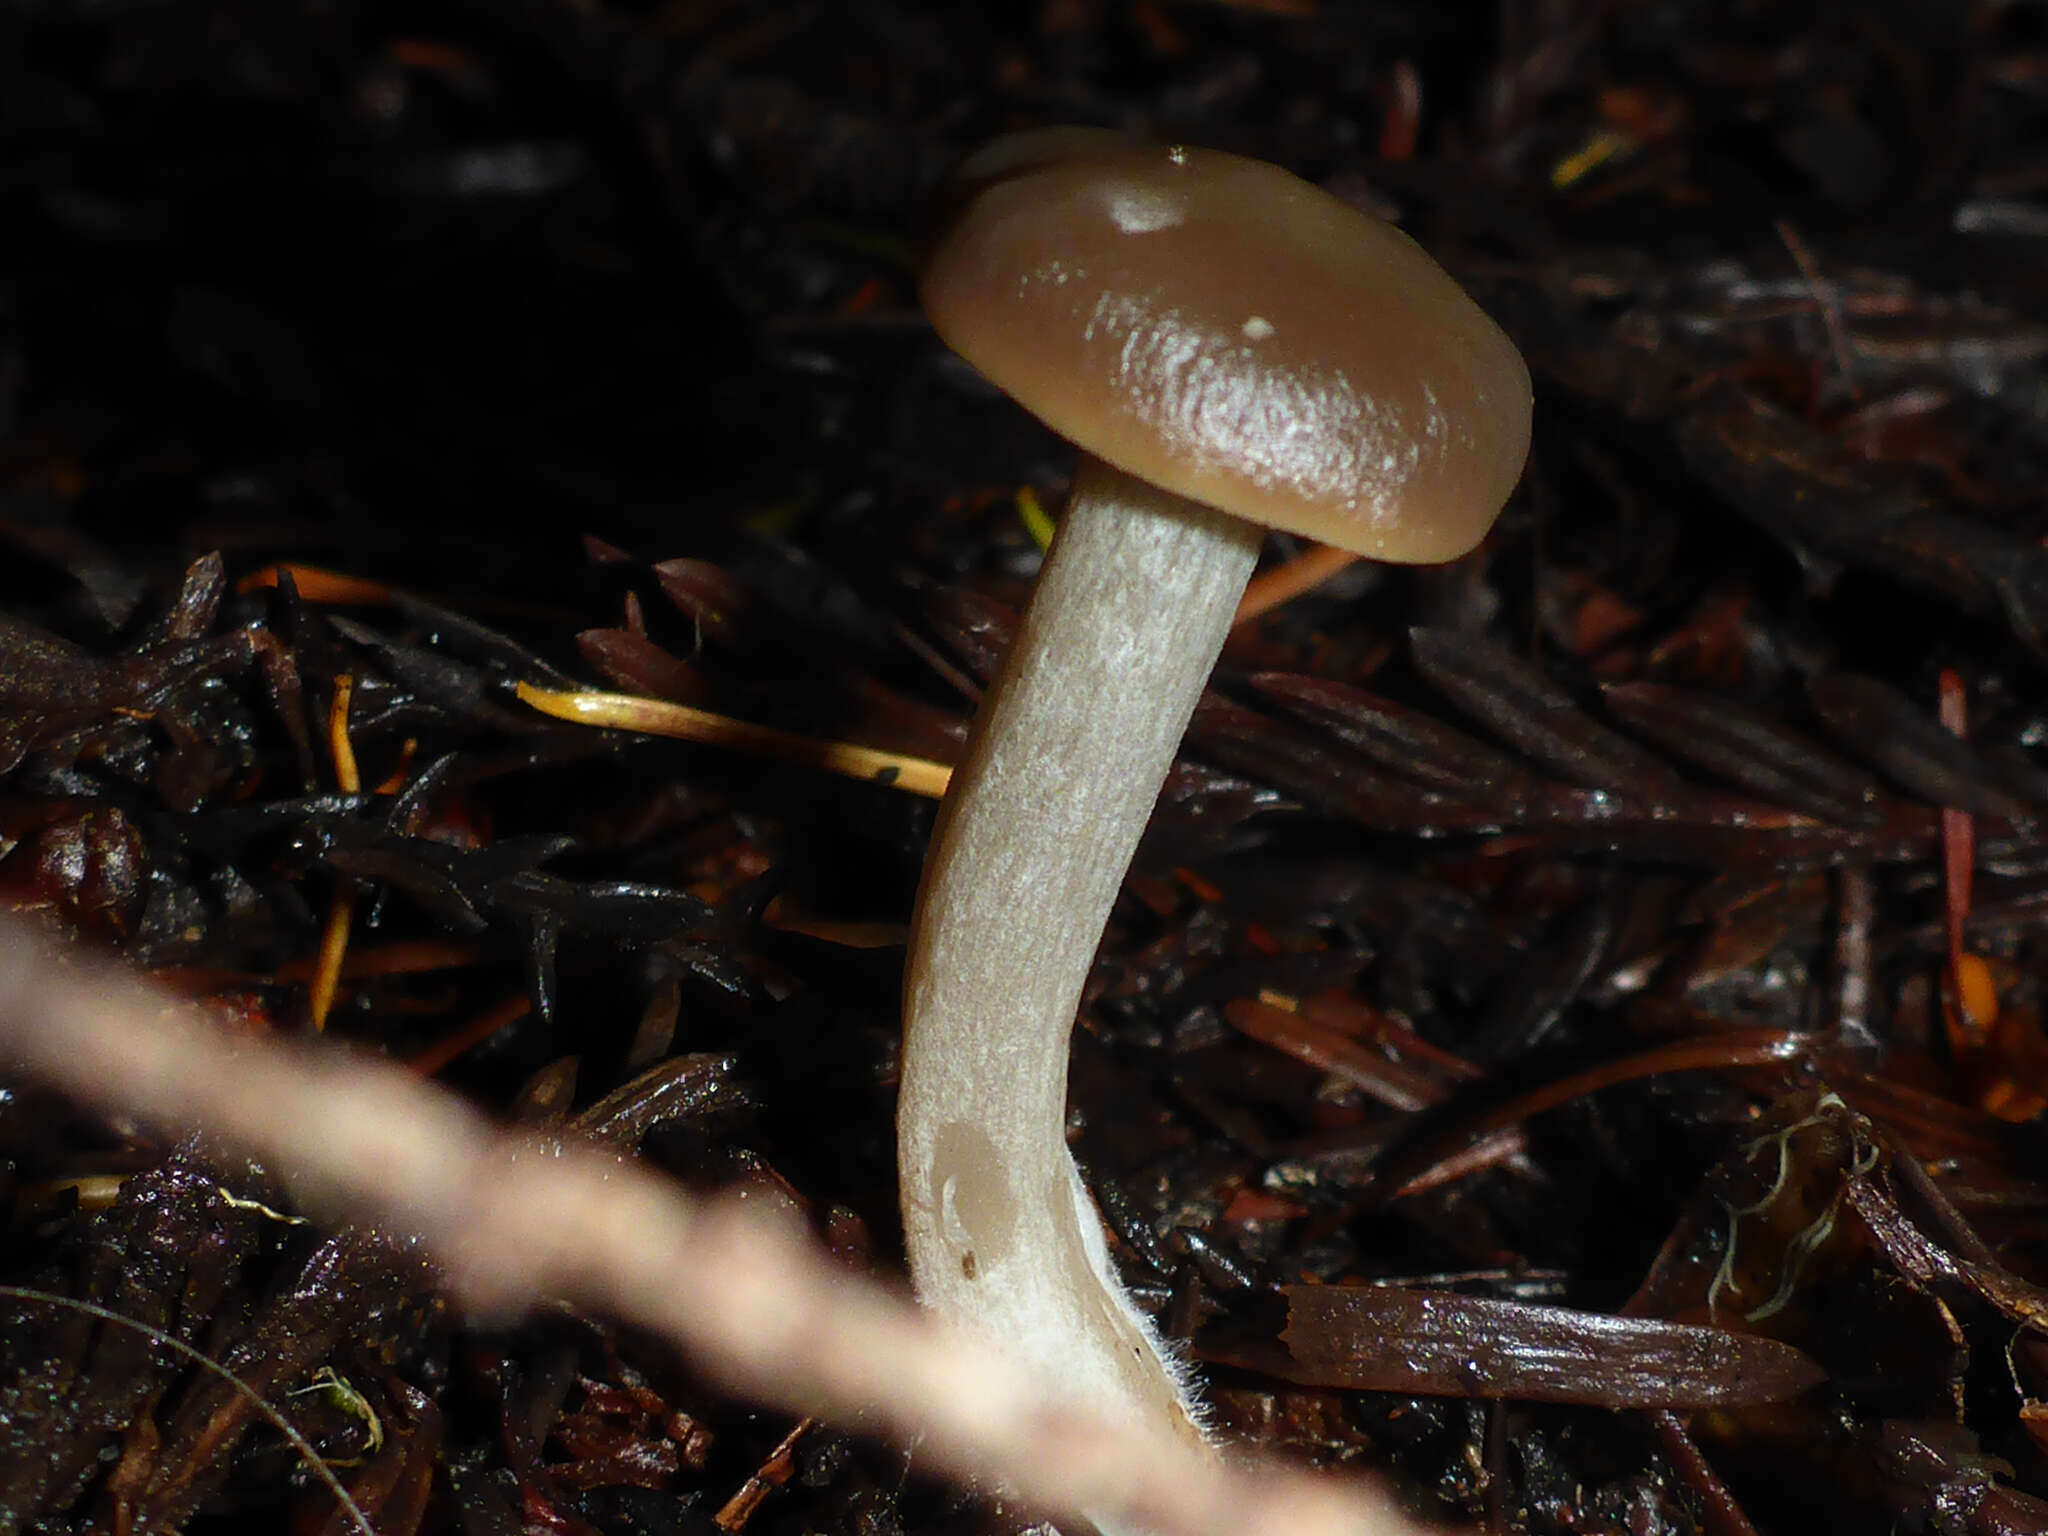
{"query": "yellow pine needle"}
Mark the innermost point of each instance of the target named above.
(1032, 514)
(659, 717)
(341, 906)
(1602, 145)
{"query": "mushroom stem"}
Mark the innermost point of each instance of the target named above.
(1062, 770)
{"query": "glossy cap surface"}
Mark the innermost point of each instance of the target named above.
(1224, 329)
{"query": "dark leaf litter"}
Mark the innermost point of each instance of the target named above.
(1525, 1024)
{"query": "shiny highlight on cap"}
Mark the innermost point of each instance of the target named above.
(1223, 329)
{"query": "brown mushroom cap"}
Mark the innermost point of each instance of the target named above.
(1221, 328)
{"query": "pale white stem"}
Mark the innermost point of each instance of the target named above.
(1062, 770)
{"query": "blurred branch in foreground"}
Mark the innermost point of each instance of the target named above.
(517, 1222)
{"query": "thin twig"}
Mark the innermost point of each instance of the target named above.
(1829, 301)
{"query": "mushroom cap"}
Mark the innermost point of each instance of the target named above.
(1223, 329)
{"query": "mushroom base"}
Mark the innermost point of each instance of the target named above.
(1060, 777)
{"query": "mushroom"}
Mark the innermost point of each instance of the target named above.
(1231, 349)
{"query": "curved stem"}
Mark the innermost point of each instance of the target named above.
(1061, 773)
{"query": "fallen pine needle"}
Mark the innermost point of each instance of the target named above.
(659, 717)
(319, 586)
(1283, 583)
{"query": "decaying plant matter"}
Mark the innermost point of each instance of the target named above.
(733, 1286)
(1621, 948)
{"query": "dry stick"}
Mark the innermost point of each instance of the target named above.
(515, 1222)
